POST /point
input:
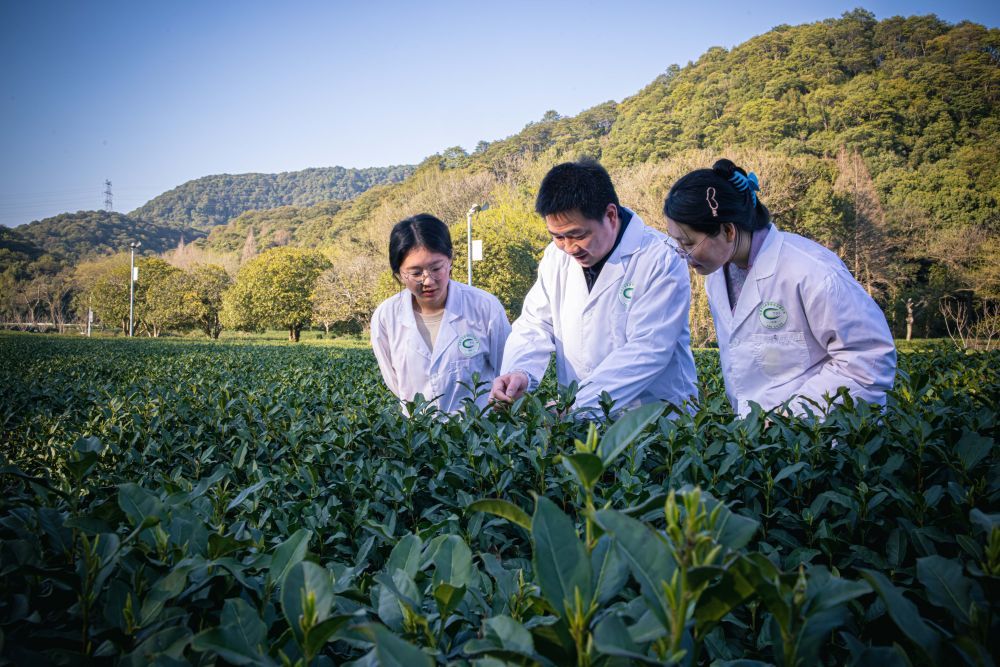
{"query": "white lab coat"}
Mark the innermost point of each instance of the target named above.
(629, 336)
(803, 326)
(471, 340)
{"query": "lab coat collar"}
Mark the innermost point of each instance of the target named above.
(762, 269)
(453, 306)
(614, 268)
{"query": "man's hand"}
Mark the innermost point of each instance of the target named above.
(509, 387)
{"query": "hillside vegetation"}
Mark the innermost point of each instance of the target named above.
(69, 238)
(215, 200)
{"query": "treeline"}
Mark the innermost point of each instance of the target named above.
(877, 139)
(215, 200)
(43, 264)
(283, 287)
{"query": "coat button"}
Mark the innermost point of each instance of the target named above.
(735, 343)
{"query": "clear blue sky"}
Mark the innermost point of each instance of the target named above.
(151, 94)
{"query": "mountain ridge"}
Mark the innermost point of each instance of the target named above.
(216, 199)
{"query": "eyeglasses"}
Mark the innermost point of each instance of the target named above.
(686, 254)
(419, 277)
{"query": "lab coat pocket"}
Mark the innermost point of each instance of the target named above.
(463, 369)
(781, 356)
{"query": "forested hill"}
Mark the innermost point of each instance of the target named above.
(916, 97)
(65, 240)
(215, 200)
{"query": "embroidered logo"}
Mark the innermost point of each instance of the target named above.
(625, 295)
(468, 345)
(772, 315)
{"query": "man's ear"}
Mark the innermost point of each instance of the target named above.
(611, 212)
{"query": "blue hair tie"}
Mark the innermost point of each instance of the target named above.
(744, 183)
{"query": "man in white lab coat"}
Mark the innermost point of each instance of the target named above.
(611, 300)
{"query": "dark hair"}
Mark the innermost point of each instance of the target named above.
(706, 198)
(584, 186)
(419, 231)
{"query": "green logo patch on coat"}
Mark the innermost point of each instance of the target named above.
(468, 345)
(772, 315)
(625, 295)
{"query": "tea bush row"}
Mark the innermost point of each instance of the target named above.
(183, 503)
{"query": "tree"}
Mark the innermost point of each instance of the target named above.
(166, 283)
(108, 290)
(346, 294)
(30, 297)
(273, 290)
(869, 246)
(167, 302)
(110, 297)
(249, 248)
(454, 157)
(56, 293)
(208, 283)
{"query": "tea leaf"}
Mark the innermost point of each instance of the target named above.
(623, 432)
(560, 559)
(946, 587)
(503, 509)
(391, 651)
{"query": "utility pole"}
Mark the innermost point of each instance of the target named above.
(108, 206)
(132, 275)
(468, 234)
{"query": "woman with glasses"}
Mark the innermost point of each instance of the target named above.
(436, 334)
(793, 325)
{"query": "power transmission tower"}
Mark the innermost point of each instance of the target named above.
(107, 196)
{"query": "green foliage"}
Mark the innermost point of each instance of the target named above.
(72, 237)
(190, 502)
(514, 238)
(215, 200)
(160, 297)
(274, 289)
(203, 301)
(275, 227)
(109, 293)
(344, 294)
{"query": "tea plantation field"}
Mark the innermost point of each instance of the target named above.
(178, 503)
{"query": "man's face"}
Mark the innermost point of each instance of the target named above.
(585, 240)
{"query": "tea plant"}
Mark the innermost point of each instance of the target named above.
(191, 503)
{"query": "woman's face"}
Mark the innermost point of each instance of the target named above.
(426, 273)
(705, 253)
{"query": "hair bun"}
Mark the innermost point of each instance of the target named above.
(726, 168)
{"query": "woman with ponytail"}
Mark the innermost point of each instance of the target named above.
(793, 325)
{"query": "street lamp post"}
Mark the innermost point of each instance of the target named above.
(131, 285)
(468, 234)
